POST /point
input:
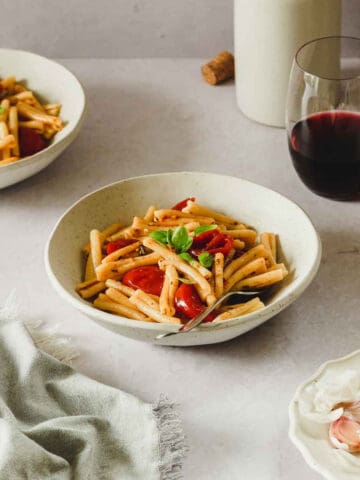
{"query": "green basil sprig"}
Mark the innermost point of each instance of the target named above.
(204, 228)
(181, 239)
(178, 238)
(206, 259)
(187, 257)
(160, 236)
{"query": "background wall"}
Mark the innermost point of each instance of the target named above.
(128, 28)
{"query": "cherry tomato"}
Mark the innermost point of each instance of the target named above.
(182, 204)
(30, 141)
(212, 241)
(188, 303)
(113, 246)
(150, 279)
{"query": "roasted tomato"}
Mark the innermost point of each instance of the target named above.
(188, 303)
(30, 141)
(113, 246)
(182, 204)
(150, 279)
(212, 241)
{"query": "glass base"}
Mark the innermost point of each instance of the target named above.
(340, 197)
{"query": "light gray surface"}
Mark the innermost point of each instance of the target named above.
(158, 115)
(128, 28)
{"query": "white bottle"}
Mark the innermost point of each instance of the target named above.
(267, 36)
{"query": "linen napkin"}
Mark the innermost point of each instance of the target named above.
(57, 424)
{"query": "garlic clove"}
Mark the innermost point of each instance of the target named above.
(344, 434)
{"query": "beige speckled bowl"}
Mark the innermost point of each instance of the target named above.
(55, 84)
(265, 209)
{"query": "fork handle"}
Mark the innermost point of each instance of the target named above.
(194, 322)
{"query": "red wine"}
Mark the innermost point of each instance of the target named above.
(325, 149)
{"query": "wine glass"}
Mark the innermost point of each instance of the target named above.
(323, 116)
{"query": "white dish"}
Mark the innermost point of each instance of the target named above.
(310, 437)
(55, 84)
(265, 209)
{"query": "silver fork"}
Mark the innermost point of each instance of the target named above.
(194, 322)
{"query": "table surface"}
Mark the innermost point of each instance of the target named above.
(147, 116)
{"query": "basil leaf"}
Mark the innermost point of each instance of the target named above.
(186, 256)
(185, 280)
(160, 236)
(204, 228)
(169, 234)
(179, 237)
(1, 109)
(187, 245)
(181, 240)
(206, 259)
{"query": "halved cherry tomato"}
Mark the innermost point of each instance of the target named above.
(182, 204)
(188, 303)
(113, 246)
(150, 279)
(30, 141)
(212, 241)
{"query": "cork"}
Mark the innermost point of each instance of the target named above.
(219, 69)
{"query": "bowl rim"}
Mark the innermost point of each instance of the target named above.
(262, 315)
(74, 127)
(308, 456)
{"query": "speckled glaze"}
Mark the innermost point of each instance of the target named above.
(55, 84)
(260, 207)
(312, 438)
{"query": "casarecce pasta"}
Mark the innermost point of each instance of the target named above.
(170, 264)
(26, 124)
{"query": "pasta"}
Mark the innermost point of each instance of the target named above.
(26, 125)
(171, 263)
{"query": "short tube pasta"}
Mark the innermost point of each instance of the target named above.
(241, 309)
(256, 266)
(150, 269)
(27, 126)
(263, 280)
(151, 312)
(218, 268)
(103, 302)
(33, 113)
(14, 129)
(96, 241)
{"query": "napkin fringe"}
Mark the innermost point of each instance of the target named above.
(48, 340)
(172, 444)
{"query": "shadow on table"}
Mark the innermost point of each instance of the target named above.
(127, 132)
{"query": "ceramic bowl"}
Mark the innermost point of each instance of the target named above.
(260, 207)
(312, 438)
(54, 84)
